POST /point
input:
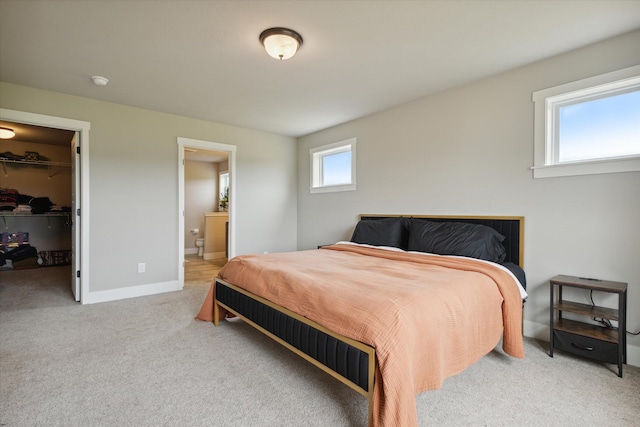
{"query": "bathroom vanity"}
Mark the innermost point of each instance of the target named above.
(216, 235)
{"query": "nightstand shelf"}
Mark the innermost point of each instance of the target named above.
(587, 330)
(587, 339)
(588, 310)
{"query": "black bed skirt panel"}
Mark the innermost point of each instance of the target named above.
(342, 358)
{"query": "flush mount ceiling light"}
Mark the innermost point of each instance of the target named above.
(6, 133)
(99, 80)
(281, 43)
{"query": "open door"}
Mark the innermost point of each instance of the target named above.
(75, 217)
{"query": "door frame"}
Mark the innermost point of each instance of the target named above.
(76, 225)
(82, 129)
(210, 146)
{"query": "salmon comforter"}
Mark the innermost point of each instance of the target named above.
(428, 317)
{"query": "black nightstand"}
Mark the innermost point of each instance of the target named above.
(604, 344)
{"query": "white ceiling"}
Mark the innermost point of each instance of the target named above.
(202, 59)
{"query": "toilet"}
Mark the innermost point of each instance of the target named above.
(200, 246)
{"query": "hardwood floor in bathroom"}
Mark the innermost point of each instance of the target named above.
(196, 269)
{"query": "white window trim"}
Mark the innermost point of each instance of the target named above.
(543, 130)
(315, 169)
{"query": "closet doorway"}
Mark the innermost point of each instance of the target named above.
(188, 146)
(78, 146)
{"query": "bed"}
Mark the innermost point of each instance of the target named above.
(407, 303)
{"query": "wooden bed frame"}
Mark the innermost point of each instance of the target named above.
(351, 362)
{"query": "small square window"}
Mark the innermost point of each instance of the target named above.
(333, 167)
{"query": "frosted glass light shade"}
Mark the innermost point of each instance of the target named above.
(6, 133)
(281, 43)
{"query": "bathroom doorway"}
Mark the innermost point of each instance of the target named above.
(204, 167)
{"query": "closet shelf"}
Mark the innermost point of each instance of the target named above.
(37, 163)
(8, 213)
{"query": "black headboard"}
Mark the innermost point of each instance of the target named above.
(511, 227)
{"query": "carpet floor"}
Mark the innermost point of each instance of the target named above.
(147, 362)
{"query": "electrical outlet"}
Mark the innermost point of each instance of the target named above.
(142, 267)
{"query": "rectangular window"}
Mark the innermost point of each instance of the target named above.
(223, 188)
(604, 128)
(333, 167)
(223, 183)
(588, 127)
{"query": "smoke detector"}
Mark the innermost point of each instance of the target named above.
(99, 80)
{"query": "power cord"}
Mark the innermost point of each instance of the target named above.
(606, 322)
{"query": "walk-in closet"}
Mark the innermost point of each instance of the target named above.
(35, 200)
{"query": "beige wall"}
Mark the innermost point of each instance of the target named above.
(200, 196)
(468, 151)
(134, 184)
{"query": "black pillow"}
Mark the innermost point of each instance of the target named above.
(392, 232)
(456, 238)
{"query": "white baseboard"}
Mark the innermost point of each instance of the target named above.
(541, 332)
(633, 355)
(536, 330)
(190, 251)
(131, 292)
